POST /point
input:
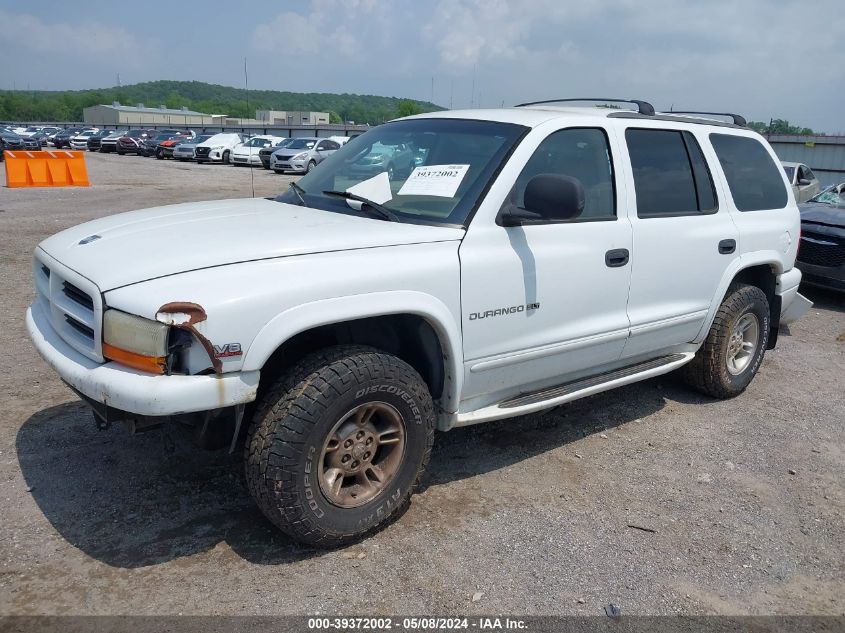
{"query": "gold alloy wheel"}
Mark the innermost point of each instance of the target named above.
(362, 454)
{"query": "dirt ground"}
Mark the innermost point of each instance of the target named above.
(745, 497)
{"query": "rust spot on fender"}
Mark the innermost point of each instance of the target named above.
(185, 315)
(181, 312)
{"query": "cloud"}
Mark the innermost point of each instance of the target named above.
(325, 31)
(29, 32)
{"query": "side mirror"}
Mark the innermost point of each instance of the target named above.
(803, 182)
(548, 198)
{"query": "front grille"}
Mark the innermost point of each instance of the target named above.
(822, 250)
(80, 327)
(202, 152)
(75, 294)
(72, 303)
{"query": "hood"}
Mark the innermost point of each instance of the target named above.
(150, 243)
(821, 213)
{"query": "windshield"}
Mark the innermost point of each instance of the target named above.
(301, 143)
(164, 137)
(200, 139)
(31, 129)
(258, 142)
(424, 170)
(790, 172)
(831, 196)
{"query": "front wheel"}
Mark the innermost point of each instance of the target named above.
(311, 165)
(735, 345)
(338, 445)
(226, 157)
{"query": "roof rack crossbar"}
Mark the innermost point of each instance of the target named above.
(738, 119)
(643, 107)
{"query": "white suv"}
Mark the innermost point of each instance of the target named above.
(529, 257)
(218, 148)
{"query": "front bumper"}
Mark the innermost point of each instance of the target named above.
(293, 165)
(133, 391)
(829, 277)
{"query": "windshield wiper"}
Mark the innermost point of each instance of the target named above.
(298, 191)
(376, 209)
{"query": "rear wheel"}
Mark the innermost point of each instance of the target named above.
(338, 444)
(735, 345)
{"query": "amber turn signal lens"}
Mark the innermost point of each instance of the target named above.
(151, 364)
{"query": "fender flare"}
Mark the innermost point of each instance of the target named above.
(339, 309)
(757, 258)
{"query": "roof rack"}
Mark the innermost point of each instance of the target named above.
(643, 107)
(738, 119)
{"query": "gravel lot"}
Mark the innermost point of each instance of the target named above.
(745, 497)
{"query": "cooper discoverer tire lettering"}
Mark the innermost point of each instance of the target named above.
(338, 444)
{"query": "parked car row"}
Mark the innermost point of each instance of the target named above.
(281, 154)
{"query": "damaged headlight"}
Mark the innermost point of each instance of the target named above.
(135, 341)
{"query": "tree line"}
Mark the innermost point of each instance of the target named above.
(67, 105)
(778, 126)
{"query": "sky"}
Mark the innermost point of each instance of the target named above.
(761, 58)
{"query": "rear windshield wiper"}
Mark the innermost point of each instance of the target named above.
(375, 208)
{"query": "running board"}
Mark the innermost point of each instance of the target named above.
(560, 394)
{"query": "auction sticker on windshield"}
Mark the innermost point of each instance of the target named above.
(434, 180)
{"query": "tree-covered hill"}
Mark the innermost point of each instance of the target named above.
(66, 105)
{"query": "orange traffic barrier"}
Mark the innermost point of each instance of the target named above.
(59, 168)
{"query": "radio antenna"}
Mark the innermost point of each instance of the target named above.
(246, 89)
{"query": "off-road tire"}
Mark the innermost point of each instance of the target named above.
(708, 371)
(293, 421)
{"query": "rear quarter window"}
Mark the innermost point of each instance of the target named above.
(753, 177)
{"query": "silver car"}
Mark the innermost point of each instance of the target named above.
(186, 150)
(804, 183)
(302, 154)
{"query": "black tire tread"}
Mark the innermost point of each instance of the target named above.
(704, 372)
(288, 410)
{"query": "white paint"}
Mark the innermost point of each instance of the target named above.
(265, 271)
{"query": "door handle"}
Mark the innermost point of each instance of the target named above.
(616, 257)
(726, 247)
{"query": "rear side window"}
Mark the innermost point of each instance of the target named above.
(671, 177)
(753, 178)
